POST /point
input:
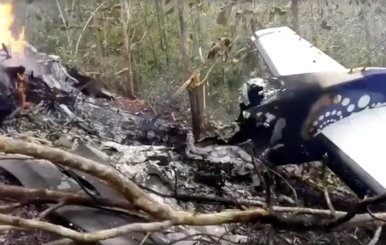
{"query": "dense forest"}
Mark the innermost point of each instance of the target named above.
(147, 48)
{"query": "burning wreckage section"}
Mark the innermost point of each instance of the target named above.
(32, 78)
(43, 101)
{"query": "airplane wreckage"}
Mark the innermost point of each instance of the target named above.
(311, 108)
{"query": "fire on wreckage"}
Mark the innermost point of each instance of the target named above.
(113, 129)
(35, 80)
(41, 82)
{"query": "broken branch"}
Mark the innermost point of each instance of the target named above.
(30, 196)
(80, 236)
(358, 208)
(376, 236)
(107, 173)
(140, 199)
(325, 187)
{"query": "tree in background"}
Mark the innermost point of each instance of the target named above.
(141, 48)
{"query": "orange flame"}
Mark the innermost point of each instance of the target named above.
(15, 45)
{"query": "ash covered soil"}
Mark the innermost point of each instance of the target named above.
(158, 156)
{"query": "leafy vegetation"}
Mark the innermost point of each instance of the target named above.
(139, 42)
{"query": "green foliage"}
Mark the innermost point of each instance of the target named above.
(346, 30)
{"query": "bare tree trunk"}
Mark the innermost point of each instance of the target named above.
(196, 90)
(161, 28)
(98, 36)
(194, 33)
(146, 13)
(183, 36)
(125, 18)
(200, 45)
(254, 4)
(365, 17)
(295, 15)
(196, 99)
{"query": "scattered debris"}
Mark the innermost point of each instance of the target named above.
(159, 156)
